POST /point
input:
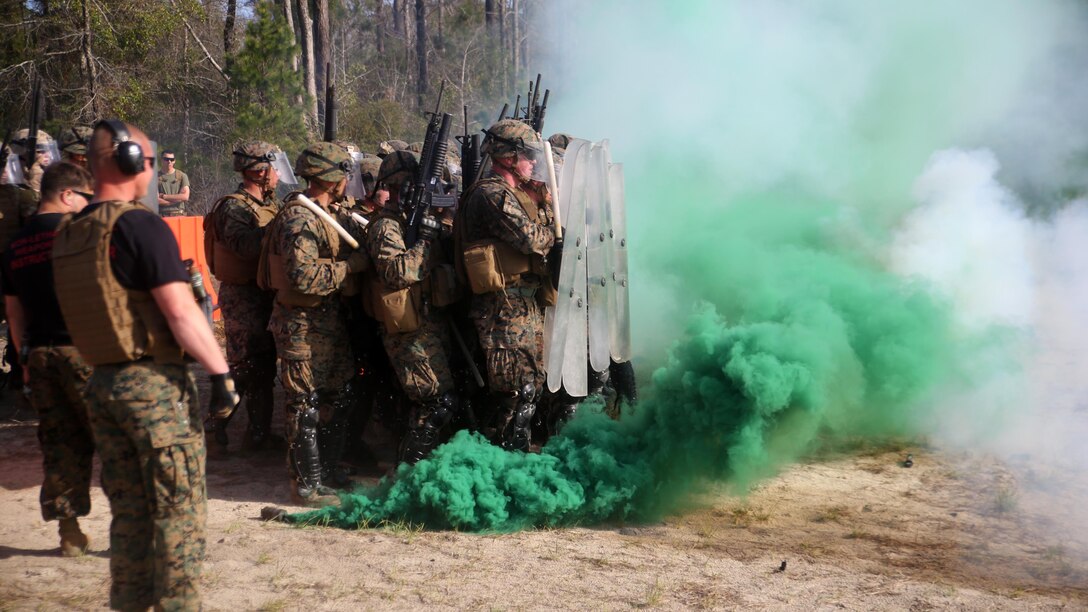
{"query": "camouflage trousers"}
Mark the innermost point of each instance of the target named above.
(146, 421)
(246, 311)
(58, 376)
(419, 359)
(511, 331)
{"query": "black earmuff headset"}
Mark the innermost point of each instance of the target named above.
(128, 155)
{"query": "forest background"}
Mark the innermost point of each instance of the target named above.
(199, 75)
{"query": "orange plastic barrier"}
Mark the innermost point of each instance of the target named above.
(189, 232)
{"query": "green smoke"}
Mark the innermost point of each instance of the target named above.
(760, 213)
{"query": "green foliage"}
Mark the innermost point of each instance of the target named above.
(268, 91)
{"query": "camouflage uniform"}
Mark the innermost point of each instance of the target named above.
(146, 420)
(73, 144)
(510, 322)
(57, 378)
(247, 308)
(315, 362)
(418, 356)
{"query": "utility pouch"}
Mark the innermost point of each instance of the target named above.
(547, 295)
(482, 269)
(397, 310)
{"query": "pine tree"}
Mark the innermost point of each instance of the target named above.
(266, 86)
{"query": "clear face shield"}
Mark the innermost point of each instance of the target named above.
(356, 189)
(284, 169)
(48, 153)
(151, 198)
(13, 171)
(535, 153)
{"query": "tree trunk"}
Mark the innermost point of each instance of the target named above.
(289, 14)
(379, 25)
(89, 67)
(306, 27)
(186, 134)
(228, 29)
(421, 50)
(322, 51)
(491, 14)
(515, 41)
(399, 25)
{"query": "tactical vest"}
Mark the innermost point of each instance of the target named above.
(399, 310)
(225, 264)
(108, 323)
(491, 264)
(272, 267)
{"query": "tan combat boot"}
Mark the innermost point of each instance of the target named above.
(73, 542)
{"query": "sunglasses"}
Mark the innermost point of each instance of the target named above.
(168, 159)
(84, 194)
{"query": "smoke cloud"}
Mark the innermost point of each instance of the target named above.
(845, 218)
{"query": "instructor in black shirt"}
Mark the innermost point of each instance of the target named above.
(56, 372)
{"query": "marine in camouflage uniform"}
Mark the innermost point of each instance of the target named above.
(73, 144)
(118, 275)
(414, 330)
(233, 233)
(498, 213)
(309, 265)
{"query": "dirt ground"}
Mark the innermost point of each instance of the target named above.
(856, 531)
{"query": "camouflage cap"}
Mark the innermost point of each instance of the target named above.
(416, 147)
(73, 141)
(389, 146)
(508, 137)
(560, 140)
(324, 161)
(398, 167)
(253, 155)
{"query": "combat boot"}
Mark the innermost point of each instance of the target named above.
(306, 486)
(423, 436)
(515, 432)
(73, 542)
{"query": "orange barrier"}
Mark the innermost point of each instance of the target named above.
(189, 232)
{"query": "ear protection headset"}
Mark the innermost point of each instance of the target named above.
(128, 155)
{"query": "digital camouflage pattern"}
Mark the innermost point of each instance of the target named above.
(246, 308)
(510, 323)
(324, 161)
(510, 136)
(253, 155)
(57, 378)
(419, 357)
(388, 146)
(310, 340)
(73, 141)
(146, 421)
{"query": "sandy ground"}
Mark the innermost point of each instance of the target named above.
(857, 531)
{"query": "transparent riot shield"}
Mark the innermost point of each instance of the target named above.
(598, 256)
(355, 188)
(151, 197)
(13, 171)
(283, 167)
(566, 323)
(619, 298)
(52, 153)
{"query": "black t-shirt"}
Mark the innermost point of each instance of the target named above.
(28, 275)
(143, 251)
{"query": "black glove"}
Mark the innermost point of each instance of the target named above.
(224, 398)
(555, 261)
(428, 228)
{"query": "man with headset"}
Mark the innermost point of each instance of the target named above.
(125, 296)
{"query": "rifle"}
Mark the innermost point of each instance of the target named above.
(470, 155)
(31, 148)
(534, 113)
(426, 189)
(330, 105)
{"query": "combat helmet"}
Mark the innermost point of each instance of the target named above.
(19, 140)
(510, 136)
(254, 155)
(74, 140)
(398, 167)
(386, 147)
(324, 161)
(369, 169)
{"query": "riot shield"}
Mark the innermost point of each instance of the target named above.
(13, 171)
(50, 148)
(355, 188)
(565, 357)
(598, 256)
(283, 167)
(151, 197)
(619, 298)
